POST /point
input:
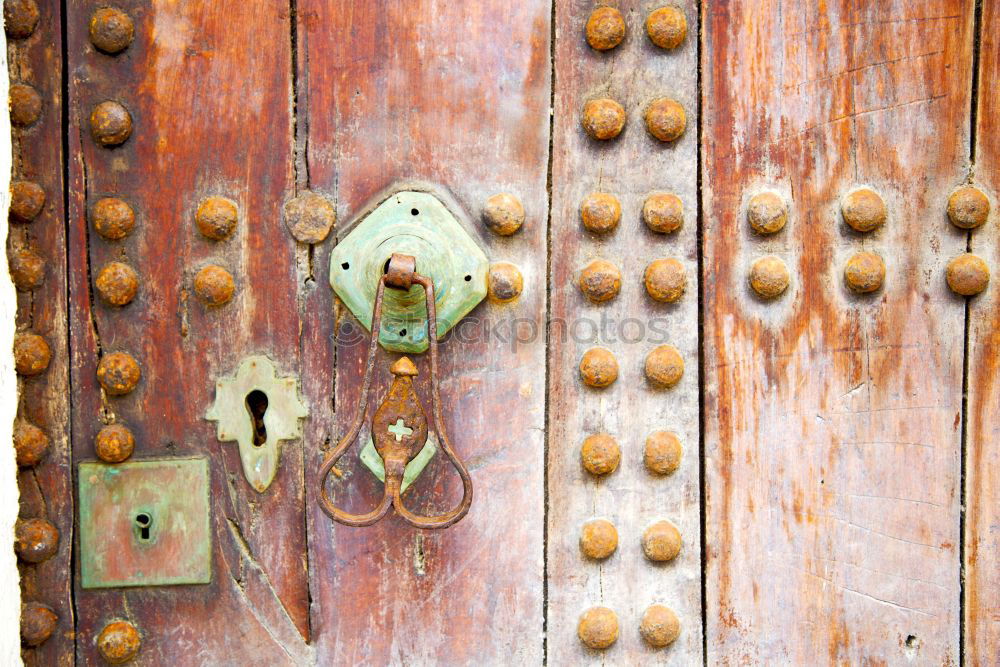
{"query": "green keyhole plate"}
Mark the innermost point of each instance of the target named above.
(419, 224)
(172, 498)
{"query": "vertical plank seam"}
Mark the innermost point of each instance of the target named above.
(700, 246)
(293, 41)
(977, 38)
(548, 331)
(71, 372)
(977, 27)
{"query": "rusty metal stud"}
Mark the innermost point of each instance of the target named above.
(605, 28)
(505, 283)
(35, 540)
(25, 105)
(665, 280)
(659, 626)
(600, 454)
(665, 119)
(117, 283)
(20, 18)
(968, 207)
(666, 27)
(600, 212)
(503, 214)
(27, 199)
(600, 281)
(664, 366)
(310, 217)
(118, 642)
(598, 367)
(31, 354)
(603, 119)
(967, 275)
(864, 210)
(663, 212)
(598, 539)
(110, 123)
(661, 542)
(767, 212)
(27, 269)
(38, 622)
(113, 219)
(214, 286)
(865, 272)
(769, 277)
(598, 628)
(118, 373)
(216, 218)
(30, 444)
(663, 452)
(111, 30)
(114, 443)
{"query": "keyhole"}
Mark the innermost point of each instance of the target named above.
(257, 406)
(143, 522)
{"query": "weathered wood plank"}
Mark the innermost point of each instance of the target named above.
(208, 86)
(832, 419)
(982, 468)
(454, 94)
(46, 489)
(630, 167)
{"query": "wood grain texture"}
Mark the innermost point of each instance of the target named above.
(46, 490)
(454, 94)
(833, 421)
(982, 468)
(630, 168)
(209, 87)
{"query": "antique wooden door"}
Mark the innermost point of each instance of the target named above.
(721, 355)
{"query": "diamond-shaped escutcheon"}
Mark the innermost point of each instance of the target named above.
(419, 224)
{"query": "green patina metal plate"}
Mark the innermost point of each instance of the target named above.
(145, 523)
(371, 459)
(418, 224)
(281, 418)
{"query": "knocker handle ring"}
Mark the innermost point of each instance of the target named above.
(399, 426)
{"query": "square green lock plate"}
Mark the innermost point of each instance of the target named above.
(145, 523)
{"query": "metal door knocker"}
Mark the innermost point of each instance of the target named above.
(399, 425)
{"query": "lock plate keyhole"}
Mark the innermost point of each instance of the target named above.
(257, 405)
(144, 526)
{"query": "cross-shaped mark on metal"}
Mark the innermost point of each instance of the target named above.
(400, 429)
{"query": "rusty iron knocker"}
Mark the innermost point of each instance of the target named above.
(399, 426)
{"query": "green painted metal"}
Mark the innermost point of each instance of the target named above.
(372, 461)
(281, 419)
(418, 224)
(145, 523)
